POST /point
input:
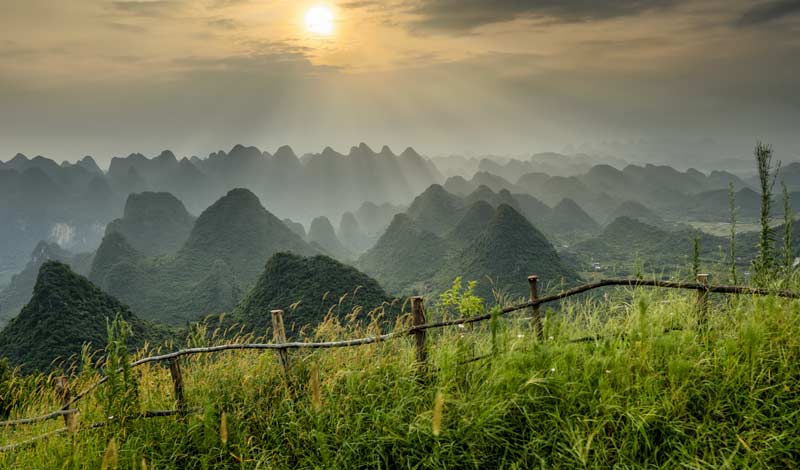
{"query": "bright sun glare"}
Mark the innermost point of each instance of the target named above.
(319, 20)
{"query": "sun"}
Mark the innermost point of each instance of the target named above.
(319, 20)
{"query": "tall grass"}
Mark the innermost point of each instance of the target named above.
(727, 396)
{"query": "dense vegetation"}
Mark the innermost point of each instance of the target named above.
(18, 292)
(636, 396)
(497, 248)
(628, 246)
(153, 223)
(66, 312)
(221, 260)
(633, 378)
(404, 256)
(503, 255)
(309, 289)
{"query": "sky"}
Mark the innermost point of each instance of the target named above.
(652, 80)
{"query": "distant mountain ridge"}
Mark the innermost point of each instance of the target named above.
(71, 203)
(324, 183)
(602, 188)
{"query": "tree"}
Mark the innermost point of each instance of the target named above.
(764, 264)
(732, 199)
(788, 221)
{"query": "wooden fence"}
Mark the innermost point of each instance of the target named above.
(418, 329)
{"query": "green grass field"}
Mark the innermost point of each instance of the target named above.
(723, 397)
(723, 229)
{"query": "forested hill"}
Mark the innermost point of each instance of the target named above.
(66, 312)
(308, 289)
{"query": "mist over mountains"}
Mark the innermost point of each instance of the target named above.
(70, 204)
(170, 241)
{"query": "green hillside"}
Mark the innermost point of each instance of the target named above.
(570, 221)
(404, 257)
(113, 250)
(626, 242)
(436, 210)
(307, 289)
(65, 312)
(504, 255)
(239, 231)
(154, 223)
(483, 243)
(18, 292)
(475, 221)
(221, 260)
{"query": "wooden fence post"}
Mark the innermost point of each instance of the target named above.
(177, 382)
(63, 391)
(702, 299)
(279, 337)
(536, 319)
(418, 314)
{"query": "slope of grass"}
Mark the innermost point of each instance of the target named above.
(725, 397)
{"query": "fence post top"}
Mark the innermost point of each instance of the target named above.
(416, 298)
(276, 311)
(533, 277)
(702, 278)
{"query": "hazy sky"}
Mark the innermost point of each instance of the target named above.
(697, 79)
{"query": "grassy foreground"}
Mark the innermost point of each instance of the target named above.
(640, 397)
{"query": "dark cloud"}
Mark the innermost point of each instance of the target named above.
(768, 11)
(465, 15)
(149, 8)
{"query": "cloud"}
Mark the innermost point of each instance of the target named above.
(147, 8)
(459, 16)
(224, 23)
(13, 50)
(769, 11)
(357, 4)
(228, 3)
(125, 27)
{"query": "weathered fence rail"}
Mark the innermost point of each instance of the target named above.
(418, 330)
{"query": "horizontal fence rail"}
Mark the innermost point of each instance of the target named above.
(38, 419)
(417, 329)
